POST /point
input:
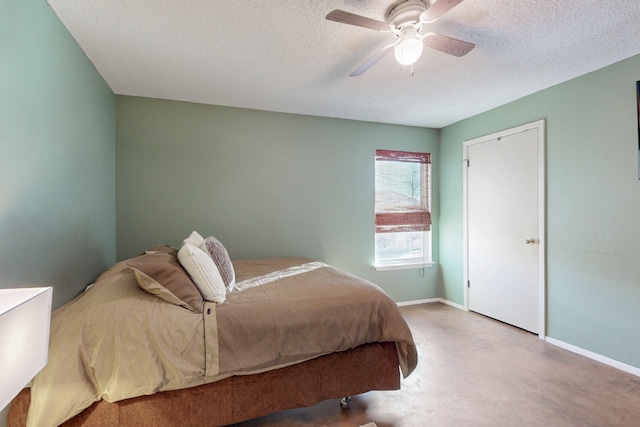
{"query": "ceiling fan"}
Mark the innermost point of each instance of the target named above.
(405, 21)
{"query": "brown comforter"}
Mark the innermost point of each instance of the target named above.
(116, 341)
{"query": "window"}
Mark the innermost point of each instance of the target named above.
(403, 219)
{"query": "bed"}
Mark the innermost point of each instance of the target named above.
(291, 333)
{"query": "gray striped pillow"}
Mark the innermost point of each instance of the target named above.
(221, 259)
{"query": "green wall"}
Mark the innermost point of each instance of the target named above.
(57, 168)
(265, 184)
(593, 195)
(57, 162)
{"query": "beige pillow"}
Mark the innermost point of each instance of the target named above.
(203, 272)
(221, 258)
(161, 274)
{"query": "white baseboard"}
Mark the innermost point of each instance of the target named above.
(431, 300)
(452, 304)
(418, 301)
(594, 356)
(572, 348)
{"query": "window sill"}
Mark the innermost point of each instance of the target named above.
(406, 266)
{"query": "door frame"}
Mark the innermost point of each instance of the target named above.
(540, 126)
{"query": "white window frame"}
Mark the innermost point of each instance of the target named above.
(409, 263)
(406, 263)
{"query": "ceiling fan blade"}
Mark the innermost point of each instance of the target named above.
(447, 44)
(439, 8)
(371, 61)
(345, 17)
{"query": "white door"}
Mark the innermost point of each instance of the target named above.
(504, 227)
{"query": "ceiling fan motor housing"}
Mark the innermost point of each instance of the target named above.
(406, 13)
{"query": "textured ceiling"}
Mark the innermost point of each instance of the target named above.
(282, 55)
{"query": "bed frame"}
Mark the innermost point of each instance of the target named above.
(239, 398)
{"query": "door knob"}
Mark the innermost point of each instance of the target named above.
(530, 241)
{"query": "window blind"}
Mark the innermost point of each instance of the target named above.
(402, 191)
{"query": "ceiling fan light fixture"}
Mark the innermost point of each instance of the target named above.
(409, 47)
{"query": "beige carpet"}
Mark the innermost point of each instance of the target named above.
(474, 371)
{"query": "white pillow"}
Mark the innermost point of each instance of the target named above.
(203, 272)
(194, 239)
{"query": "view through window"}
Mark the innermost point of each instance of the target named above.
(403, 218)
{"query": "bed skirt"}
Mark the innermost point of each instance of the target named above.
(239, 398)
